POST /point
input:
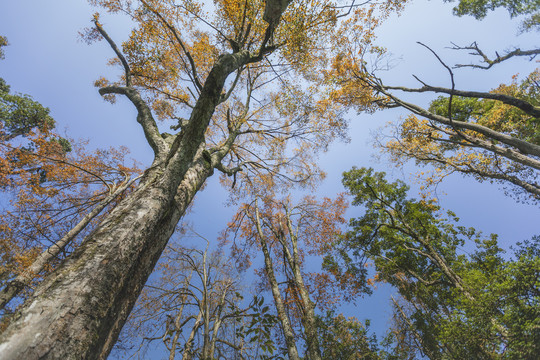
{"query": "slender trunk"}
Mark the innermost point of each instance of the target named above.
(308, 317)
(177, 333)
(309, 320)
(217, 323)
(206, 310)
(177, 327)
(80, 308)
(189, 343)
(278, 301)
(14, 287)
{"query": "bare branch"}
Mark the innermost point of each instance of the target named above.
(116, 50)
(523, 105)
(490, 62)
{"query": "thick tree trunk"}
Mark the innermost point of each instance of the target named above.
(79, 310)
(14, 287)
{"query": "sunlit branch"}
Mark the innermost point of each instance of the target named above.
(180, 42)
(523, 146)
(506, 99)
(64, 162)
(116, 50)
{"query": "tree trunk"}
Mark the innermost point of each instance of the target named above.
(308, 318)
(79, 309)
(288, 332)
(77, 312)
(189, 343)
(14, 287)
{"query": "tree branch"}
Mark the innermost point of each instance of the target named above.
(506, 99)
(478, 52)
(144, 117)
(521, 145)
(116, 50)
(180, 42)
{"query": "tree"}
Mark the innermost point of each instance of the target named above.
(50, 183)
(194, 309)
(456, 305)
(286, 235)
(490, 136)
(79, 310)
(480, 8)
(56, 197)
(346, 338)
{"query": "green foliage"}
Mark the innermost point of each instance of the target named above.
(463, 109)
(500, 117)
(346, 338)
(3, 42)
(259, 329)
(480, 8)
(477, 306)
(20, 114)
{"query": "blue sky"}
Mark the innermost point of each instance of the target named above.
(46, 60)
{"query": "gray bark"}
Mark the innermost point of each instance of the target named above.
(14, 287)
(77, 312)
(288, 332)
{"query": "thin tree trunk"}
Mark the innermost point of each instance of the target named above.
(217, 322)
(308, 316)
(189, 343)
(177, 327)
(280, 307)
(309, 321)
(177, 333)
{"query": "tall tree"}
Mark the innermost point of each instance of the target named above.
(194, 309)
(480, 8)
(178, 61)
(52, 190)
(287, 235)
(489, 135)
(457, 305)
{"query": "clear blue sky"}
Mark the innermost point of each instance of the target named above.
(46, 60)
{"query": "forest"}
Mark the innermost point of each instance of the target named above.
(270, 179)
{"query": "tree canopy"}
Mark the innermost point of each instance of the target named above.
(257, 91)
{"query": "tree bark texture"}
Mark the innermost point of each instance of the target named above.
(79, 310)
(15, 286)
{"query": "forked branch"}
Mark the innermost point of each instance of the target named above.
(475, 50)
